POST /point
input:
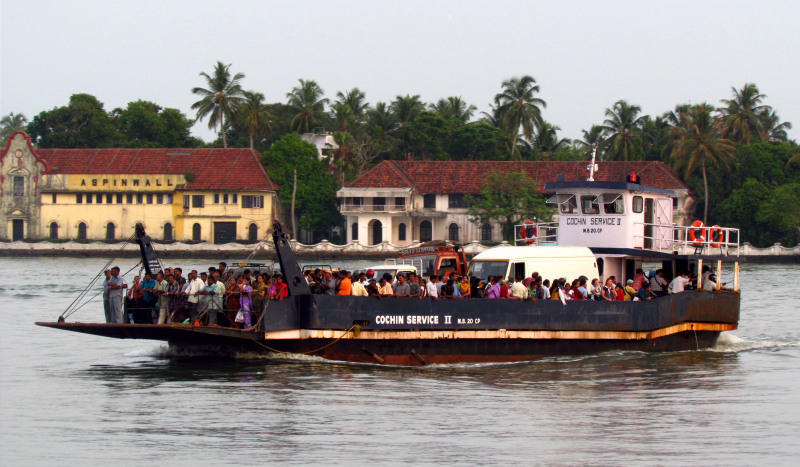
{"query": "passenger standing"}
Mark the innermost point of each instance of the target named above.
(414, 290)
(106, 305)
(245, 303)
(658, 285)
(193, 287)
(431, 289)
(680, 282)
(144, 314)
(346, 286)
(115, 286)
(518, 290)
(162, 300)
(358, 288)
(403, 289)
(638, 279)
(494, 288)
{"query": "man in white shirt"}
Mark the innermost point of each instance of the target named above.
(431, 288)
(518, 290)
(679, 283)
(194, 285)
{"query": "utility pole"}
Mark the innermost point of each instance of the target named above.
(294, 195)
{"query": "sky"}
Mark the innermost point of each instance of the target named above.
(585, 55)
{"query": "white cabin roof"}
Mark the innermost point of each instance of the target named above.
(512, 253)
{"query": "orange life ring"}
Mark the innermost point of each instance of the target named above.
(529, 232)
(697, 234)
(716, 236)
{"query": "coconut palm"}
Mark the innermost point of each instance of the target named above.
(220, 99)
(254, 115)
(697, 142)
(406, 108)
(381, 119)
(774, 128)
(349, 109)
(742, 121)
(520, 108)
(547, 142)
(308, 105)
(12, 123)
(454, 108)
(623, 132)
(590, 138)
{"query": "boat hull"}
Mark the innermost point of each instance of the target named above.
(409, 331)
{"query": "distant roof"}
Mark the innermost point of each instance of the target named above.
(467, 176)
(215, 168)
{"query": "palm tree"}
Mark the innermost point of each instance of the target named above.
(546, 140)
(222, 98)
(12, 123)
(254, 115)
(520, 108)
(590, 138)
(406, 108)
(774, 128)
(623, 131)
(381, 119)
(308, 104)
(454, 108)
(697, 142)
(743, 123)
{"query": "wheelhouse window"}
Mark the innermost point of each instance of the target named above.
(429, 201)
(612, 203)
(566, 202)
(249, 201)
(588, 206)
(638, 204)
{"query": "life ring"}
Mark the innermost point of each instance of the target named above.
(716, 236)
(697, 234)
(529, 232)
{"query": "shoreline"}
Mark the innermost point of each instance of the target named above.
(776, 254)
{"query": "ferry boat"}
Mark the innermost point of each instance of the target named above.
(604, 229)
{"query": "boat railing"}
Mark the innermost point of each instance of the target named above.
(696, 239)
(536, 233)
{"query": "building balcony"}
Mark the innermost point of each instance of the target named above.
(359, 208)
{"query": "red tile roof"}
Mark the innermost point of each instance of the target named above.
(467, 176)
(215, 169)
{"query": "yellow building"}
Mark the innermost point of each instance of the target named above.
(209, 194)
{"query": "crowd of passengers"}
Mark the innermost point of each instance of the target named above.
(200, 298)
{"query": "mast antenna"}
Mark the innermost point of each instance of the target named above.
(592, 167)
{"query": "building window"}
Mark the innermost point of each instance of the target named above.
(186, 200)
(19, 186)
(139, 198)
(486, 233)
(89, 198)
(216, 198)
(169, 198)
(252, 233)
(425, 231)
(235, 199)
(224, 198)
(378, 204)
(198, 201)
(119, 199)
(99, 197)
(53, 231)
(149, 198)
(129, 198)
(674, 203)
(55, 198)
(110, 231)
(638, 204)
(252, 201)
(159, 198)
(354, 231)
(81, 231)
(429, 201)
(401, 232)
(457, 201)
(196, 230)
(167, 232)
(452, 232)
(399, 203)
(79, 198)
(109, 198)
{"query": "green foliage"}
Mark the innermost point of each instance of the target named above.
(143, 124)
(10, 124)
(315, 206)
(83, 123)
(478, 141)
(221, 98)
(508, 198)
(189, 176)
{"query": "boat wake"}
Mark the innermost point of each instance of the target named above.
(729, 343)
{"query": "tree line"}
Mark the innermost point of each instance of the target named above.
(737, 150)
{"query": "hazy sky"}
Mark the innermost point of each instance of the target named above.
(585, 55)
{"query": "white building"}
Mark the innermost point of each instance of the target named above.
(323, 141)
(406, 202)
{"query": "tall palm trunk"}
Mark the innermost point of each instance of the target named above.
(251, 141)
(222, 130)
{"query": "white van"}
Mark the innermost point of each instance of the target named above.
(551, 262)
